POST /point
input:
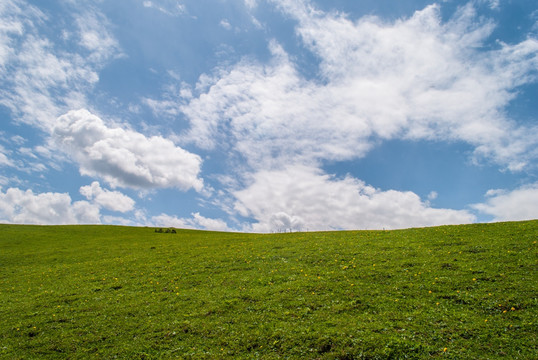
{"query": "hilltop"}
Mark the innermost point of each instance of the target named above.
(105, 292)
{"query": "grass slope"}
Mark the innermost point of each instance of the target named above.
(103, 292)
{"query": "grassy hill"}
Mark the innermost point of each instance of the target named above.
(103, 292)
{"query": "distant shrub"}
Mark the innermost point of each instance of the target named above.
(167, 231)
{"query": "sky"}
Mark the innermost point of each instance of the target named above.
(268, 115)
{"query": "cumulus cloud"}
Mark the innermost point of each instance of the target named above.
(25, 207)
(111, 200)
(196, 221)
(519, 204)
(414, 78)
(282, 222)
(304, 198)
(123, 157)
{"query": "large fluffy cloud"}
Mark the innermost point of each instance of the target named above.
(519, 204)
(415, 78)
(124, 157)
(303, 198)
(25, 207)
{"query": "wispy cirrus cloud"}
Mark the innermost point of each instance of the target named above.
(168, 7)
(25, 159)
(94, 35)
(4, 160)
(43, 80)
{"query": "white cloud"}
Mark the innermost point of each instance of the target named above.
(164, 220)
(251, 3)
(174, 94)
(519, 204)
(167, 107)
(39, 80)
(415, 78)
(208, 223)
(111, 200)
(95, 37)
(197, 221)
(25, 207)
(282, 222)
(4, 160)
(36, 159)
(412, 79)
(139, 219)
(303, 198)
(123, 157)
(492, 4)
(3, 181)
(168, 7)
(225, 24)
(10, 27)
(27, 152)
(18, 140)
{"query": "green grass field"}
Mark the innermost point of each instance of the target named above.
(106, 292)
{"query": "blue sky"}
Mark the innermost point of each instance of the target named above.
(268, 115)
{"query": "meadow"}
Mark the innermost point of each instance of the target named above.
(111, 292)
